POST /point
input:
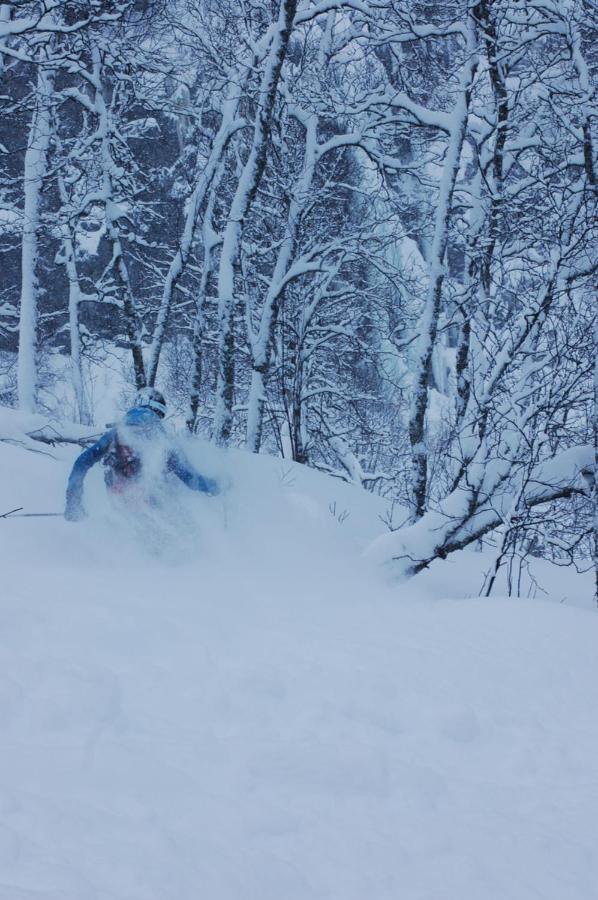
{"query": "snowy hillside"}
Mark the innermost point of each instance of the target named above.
(243, 709)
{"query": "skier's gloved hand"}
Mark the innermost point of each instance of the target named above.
(212, 487)
(74, 512)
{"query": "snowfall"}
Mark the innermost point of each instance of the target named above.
(234, 703)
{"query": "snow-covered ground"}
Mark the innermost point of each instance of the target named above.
(249, 711)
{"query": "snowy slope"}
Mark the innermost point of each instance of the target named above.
(255, 715)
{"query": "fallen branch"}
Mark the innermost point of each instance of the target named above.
(17, 514)
(47, 434)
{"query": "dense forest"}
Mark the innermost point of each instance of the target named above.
(359, 234)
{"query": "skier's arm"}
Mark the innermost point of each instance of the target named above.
(183, 469)
(83, 463)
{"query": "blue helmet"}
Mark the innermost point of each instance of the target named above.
(151, 398)
(141, 417)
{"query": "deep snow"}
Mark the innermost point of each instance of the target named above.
(256, 714)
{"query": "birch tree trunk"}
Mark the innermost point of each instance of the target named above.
(210, 240)
(588, 91)
(428, 326)
(67, 232)
(178, 264)
(118, 264)
(245, 193)
(4, 18)
(262, 342)
(36, 160)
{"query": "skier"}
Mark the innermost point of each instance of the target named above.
(136, 448)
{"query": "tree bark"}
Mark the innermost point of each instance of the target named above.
(429, 321)
(118, 265)
(244, 196)
(36, 161)
(179, 261)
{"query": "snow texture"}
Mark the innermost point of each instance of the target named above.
(242, 709)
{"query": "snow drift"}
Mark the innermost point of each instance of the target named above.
(253, 714)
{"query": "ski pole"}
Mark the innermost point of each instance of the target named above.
(17, 514)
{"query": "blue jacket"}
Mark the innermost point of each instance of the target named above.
(148, 424)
